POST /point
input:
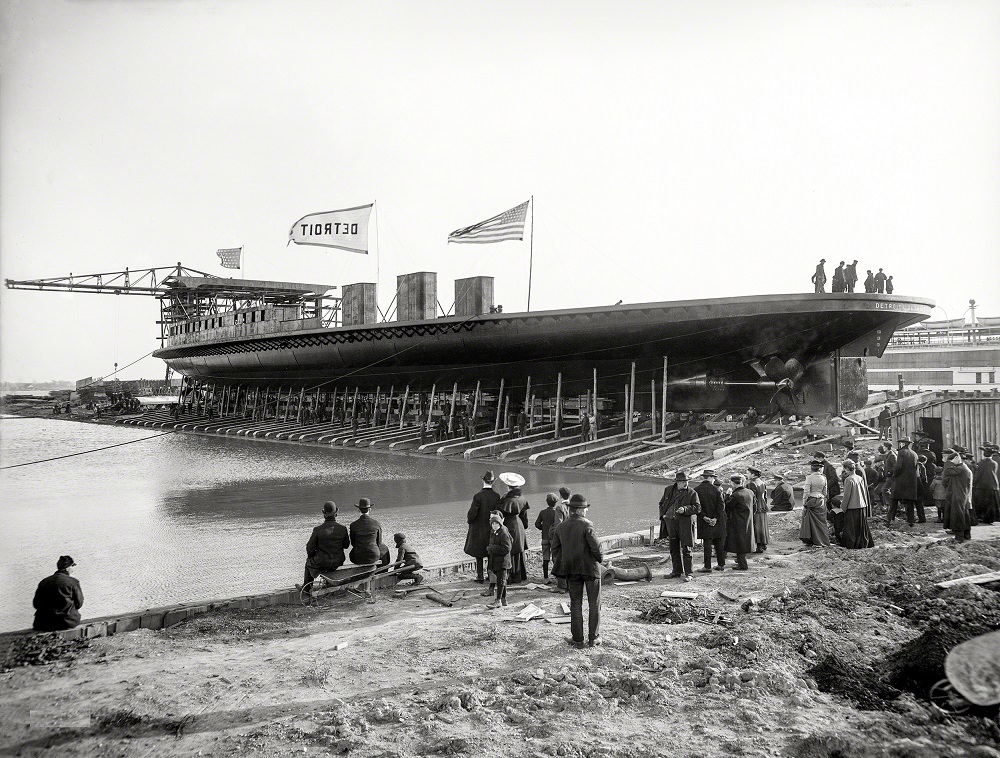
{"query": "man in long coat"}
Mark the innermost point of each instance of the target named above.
(739, 522)
(760, 531)
(326, 545)
(484, 502)
(366, 538)
(906, 483)
(958, 488)
(986, 488)
(711, 522)
(880, 281)
(678, 506)
(577, 558)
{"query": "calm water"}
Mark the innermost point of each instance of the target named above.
(186, 517)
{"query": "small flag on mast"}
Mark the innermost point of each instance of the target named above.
(509, 225)
(229, 257)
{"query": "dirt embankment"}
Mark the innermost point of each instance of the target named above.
(818, 653)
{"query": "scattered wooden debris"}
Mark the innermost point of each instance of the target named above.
(992, 576)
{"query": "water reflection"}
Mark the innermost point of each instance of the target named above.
(186, 517)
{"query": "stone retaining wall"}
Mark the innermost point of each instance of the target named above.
(169, 615)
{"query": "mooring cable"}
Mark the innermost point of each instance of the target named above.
(84, 452)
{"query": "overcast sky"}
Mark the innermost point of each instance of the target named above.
(673, 149)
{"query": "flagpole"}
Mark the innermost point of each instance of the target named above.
(531, 251)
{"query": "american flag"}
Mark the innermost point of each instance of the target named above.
(229, 257)
(509, 225)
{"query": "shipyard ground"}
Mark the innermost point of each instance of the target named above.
(813, 652)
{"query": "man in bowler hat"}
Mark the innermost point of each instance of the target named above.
(577, 557)
(366, 537)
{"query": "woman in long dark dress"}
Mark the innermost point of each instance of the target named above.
(514, 507)
(855, 533)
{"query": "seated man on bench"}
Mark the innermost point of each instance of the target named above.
(366, 537)
(326, 546)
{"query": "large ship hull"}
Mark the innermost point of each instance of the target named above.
(711, 346)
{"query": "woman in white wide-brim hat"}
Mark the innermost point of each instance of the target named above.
(514, 508)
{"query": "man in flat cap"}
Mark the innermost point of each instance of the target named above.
(906, 483)
(484, 503)
(366, 537)
(711, 522)
(326, 545)
(58, 599)
(678, 507)
(819, 277)
(577, 557)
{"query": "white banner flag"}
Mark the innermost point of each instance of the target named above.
(345, 229)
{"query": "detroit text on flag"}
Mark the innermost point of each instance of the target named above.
(344, 229)
(229, 257)
(509, 225)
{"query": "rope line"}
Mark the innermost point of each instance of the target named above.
(85, 452)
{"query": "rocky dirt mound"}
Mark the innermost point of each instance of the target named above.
(39, 649)
(956, 615)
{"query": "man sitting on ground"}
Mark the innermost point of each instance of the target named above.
(58, 599)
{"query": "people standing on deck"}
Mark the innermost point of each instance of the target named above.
(678, 507)
(838, 284)
(739, 521)
(819, 277)
(851, 276)
(905, 483)
(814, 498)
(522, 423)
(326, 545)
(366, 538)
(58, 599)
(548, 518)
(782, 496)
(477, 539)
(407, 560)
(880, 281)
(870, 282)
(577, 558)
(498, 549)
(986, 488)
(855, 533)
(958, 486)
(514, 508)
(711, 522)
(888, 286)
(756, 485)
